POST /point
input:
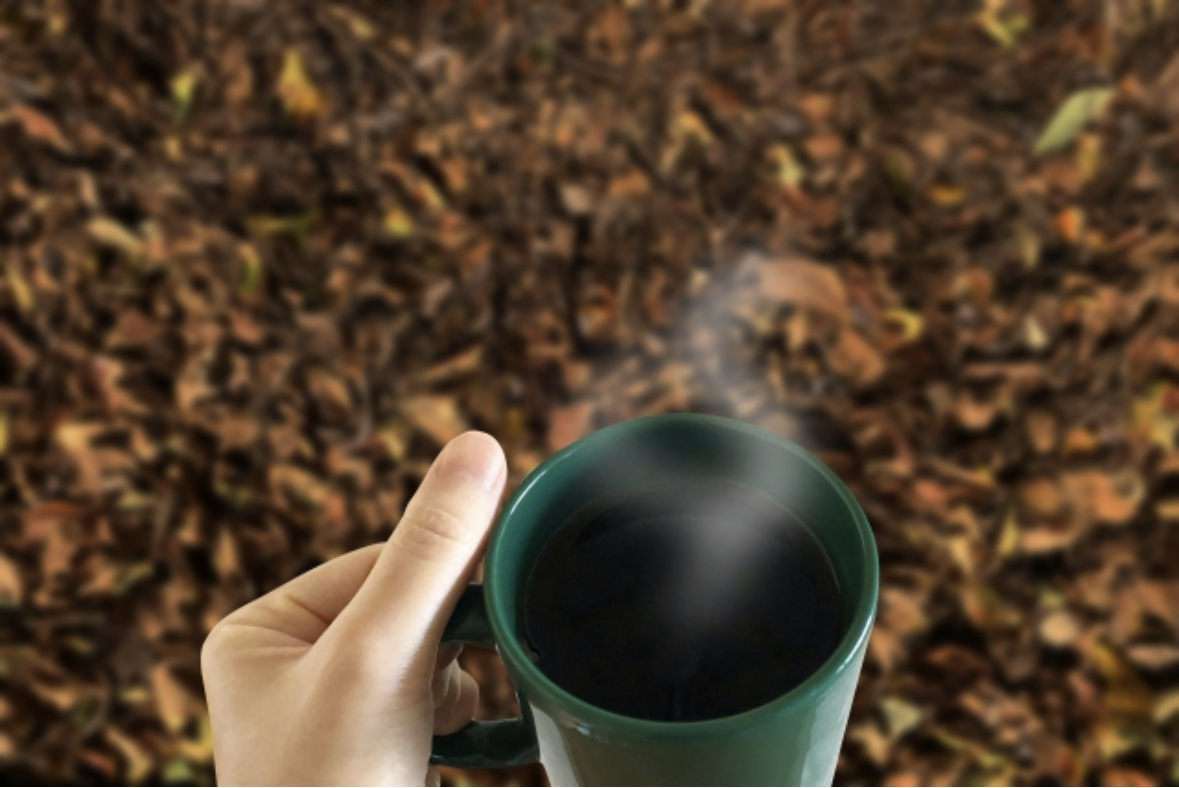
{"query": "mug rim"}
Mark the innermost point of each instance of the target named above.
(537, 684)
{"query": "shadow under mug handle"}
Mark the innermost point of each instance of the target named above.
(483, 744)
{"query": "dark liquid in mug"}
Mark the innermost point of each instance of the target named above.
(689, 602)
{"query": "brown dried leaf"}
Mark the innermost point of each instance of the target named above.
(856, 359)
(1041, 498)
(11, 587)
(805, 285)
(108, 232)
(174, 703)
(570, 423)
(975, 415)
(576, 199)
(1165, 92)
(1112, 499)
(823, 147)
(436, 416)
(1059, 629)
(1154, 656)
(1041, 428)
(40, 127)
(301, 488)
(1125, 693)
(1124, 775)
(133, 329)
(16, 348)
(1037, 541)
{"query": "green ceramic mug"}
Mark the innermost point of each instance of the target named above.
(793, 740)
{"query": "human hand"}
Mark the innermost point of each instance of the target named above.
(337, 677)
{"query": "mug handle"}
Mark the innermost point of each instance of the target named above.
(483, 744)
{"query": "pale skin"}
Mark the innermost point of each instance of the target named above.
(337, 677)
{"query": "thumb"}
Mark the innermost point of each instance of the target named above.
(405, 601)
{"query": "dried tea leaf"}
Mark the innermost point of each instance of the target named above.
(973, 414)
(1070, 223)
(824, 146)
(1112, 499)
(1166, 707)
(576, 199)
(22, 293)
(200, 748)
(633, 183)
(856, 359)
(1165, 92)
(805, 285)
(690, 127)
(300, 97)
(183, 86)
(1077, 110)
(900, 716)
(40, 127)
(1124, 775)
(1034, 335)
(1004, 26)
(359, 25)
(436, 416)
(225, 556)
(110, 233)
(910, 324)
(1126, 695)
(872, 739)
(570, 423)
(253, 271)
(789, 171)
(1041, 498)
(11, 586)
(1154, 656)
(178, 771)
(138, 760)
(398, 223)
(1039, 541)
(173, 701)
(1059, 629)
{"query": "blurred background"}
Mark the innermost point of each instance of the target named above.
(262, 259)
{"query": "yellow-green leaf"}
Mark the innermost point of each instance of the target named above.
(1077, 110)
(910, 324)
(251, 278)
(297, 226)
(900, 716)
(1089, 155)
(178, 771)
(138, 759)
(1166, 706)
(398, 223)
(360, 26)
(1008, 535)
(133, 575)
(22, 294)
(183, 87)
(790, 170)
(1004, 28)
(299, 95)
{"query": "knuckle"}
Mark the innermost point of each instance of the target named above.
(214, 649)
(435, 531)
